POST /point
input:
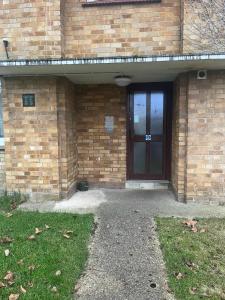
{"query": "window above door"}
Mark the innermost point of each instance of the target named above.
(114, 2)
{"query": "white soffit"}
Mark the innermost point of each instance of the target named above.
(103, 70)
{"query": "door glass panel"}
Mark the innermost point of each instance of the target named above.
(140, 114)
(157, 108)
(139, 157)
(156, 158)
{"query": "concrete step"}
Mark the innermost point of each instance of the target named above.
(147, 184)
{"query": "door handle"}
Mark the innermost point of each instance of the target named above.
(148, 137)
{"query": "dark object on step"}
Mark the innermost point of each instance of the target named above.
(82, 186)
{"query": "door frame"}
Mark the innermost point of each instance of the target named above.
(167, 87)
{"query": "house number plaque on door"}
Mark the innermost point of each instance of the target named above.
(148, 137)
(109, 124)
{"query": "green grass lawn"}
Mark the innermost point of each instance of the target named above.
(195, 261)
(49, 263)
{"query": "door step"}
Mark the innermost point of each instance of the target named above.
(147, 184)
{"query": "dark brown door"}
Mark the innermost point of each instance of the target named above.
(149, 131)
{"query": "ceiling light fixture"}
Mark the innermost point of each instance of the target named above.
(122, 80)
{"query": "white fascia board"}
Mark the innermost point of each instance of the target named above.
(111, 60)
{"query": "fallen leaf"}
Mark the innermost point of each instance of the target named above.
(190, 223)
(9, 276)
(191, 265)
(11, 282)
(31, 237)
(14, 296)
(7, 252)
(46, 226)
(14, 205)
(20, 262)
(31, 267)
(192, 290)
(203, 230)
(68, 231)
(2, 285)
(58, 273)
(30, 284)
(8, 215)
(194, 229)
(66, 236)
(23, 289)
(5, 240)
(38, 231)
(54, 289)
(179, 275)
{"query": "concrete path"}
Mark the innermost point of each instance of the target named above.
(125, 259)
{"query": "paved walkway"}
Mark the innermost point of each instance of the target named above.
(125, 259)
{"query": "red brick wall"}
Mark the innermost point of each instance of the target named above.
(101, 156)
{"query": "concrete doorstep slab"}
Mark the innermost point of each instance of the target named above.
(80, 202)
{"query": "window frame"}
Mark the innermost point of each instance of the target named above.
(86, 3)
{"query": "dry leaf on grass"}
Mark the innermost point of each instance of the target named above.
(31, 267)
(13, 205)
(2, 285)
(54, 289)
(8, 215)
(194, 229)
(66, 236)
(5, 240)
(58, 273)
(179, 275)
(31, 237)
(38, 231)
(191, 265)
(7, 252)
(46, 226)
(14, 296)
(30, 284)
(9, 276)
(191, 224)
(23, 289)
(203, 230)
(20, 262)
(192, 290)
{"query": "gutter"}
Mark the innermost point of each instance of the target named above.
(111, 60)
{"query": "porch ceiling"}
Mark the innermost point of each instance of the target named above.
(103, 70)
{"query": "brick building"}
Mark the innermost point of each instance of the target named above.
(109, 91)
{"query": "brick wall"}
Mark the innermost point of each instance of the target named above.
(39, 149)
(67, 136)
(179, 133)
(201, 170)
(120, 30)
(2, 170)
(102, 156)
(33, 28)
(206, 135)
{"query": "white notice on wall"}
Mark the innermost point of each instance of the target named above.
(109, 123)
(136, 119)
